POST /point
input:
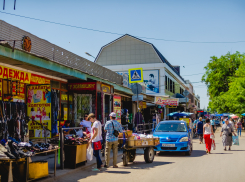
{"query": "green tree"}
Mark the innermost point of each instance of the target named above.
(220, 73)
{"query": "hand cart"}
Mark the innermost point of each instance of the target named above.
(129, 152)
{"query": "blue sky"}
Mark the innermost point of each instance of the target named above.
(201, 21)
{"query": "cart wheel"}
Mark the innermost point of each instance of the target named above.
(149, 155)
(125, 158)
(131, 155)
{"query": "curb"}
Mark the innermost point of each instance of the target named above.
(51, 178)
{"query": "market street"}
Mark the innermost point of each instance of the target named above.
(176, 167)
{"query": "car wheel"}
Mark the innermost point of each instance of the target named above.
(189, 152)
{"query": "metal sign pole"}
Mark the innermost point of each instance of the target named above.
(138, 104)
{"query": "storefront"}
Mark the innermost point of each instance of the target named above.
(90, 97)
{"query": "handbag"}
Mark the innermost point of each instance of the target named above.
(97, 145)
(115, 132)
(213, 145)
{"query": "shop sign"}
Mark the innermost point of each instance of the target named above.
(142, 105)
(117, 107)
(0, 89)
(82, 86)
(106, 88)
(10, 73)
(26, 43)
(167, 101)
(39, 109)
(36, 79)
(187, 120)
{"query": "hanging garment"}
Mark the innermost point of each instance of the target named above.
(138, 118)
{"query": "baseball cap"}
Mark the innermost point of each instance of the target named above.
(113, 115)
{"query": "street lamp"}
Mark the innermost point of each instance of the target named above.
(89, 55)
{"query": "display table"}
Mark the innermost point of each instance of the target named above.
(75, 154)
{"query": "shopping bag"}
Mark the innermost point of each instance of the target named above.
(213, 145)
(235, 140)
(90, 152)
(212, 136)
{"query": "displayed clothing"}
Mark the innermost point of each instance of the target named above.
(138, 118)
(54, 109)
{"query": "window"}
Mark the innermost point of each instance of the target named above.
(171, 86)
(166, 82)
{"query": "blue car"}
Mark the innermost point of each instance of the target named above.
(174, 137)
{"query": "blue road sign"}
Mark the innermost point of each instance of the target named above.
(135, 75)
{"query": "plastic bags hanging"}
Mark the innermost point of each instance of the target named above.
(235, 140)
(90, 152)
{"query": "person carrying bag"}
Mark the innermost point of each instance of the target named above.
(96, 137)
(112, 128)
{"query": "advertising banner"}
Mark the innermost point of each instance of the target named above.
(14, 74)
(167, 101)
(39, 110)
(36, 79)
(151, 79)
(117, 107)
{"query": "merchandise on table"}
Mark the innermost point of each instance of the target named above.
(12, 149)
(75, 140)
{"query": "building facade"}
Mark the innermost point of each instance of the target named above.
(160, 77)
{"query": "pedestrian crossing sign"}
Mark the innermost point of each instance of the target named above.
(135, 75)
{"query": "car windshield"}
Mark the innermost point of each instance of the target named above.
(171, 127)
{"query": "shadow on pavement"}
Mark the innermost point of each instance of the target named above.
(143, 165)
(195, 153)
(237, 150)
(221, 153)
(117, 172)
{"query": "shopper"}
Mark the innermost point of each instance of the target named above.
(66, 125)
(111, 139)
(212, 121)
(239, 127)
(199, 130)
(86, 123)
(96, 137)
(226, 133)
(208, 131)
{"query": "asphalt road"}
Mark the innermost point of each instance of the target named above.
(219, 166)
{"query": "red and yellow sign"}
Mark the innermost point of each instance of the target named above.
(14, 74)
(167, 101)
(117, 107)
(0, 89)
(39, 110)
(82, 86)
(36, 79)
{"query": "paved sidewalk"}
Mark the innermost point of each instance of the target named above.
(66, 172)
(220, 165)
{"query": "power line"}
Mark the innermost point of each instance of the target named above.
(193, 74)
(114, 33)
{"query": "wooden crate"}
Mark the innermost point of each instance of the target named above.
(156, 141)
(150, 141)
(130, 142)
(137, 142)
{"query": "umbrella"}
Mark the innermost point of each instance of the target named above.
(235, 117)
(179, 115)
(189, 113)
(243, 114)
(232, 115)
(171, 114)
